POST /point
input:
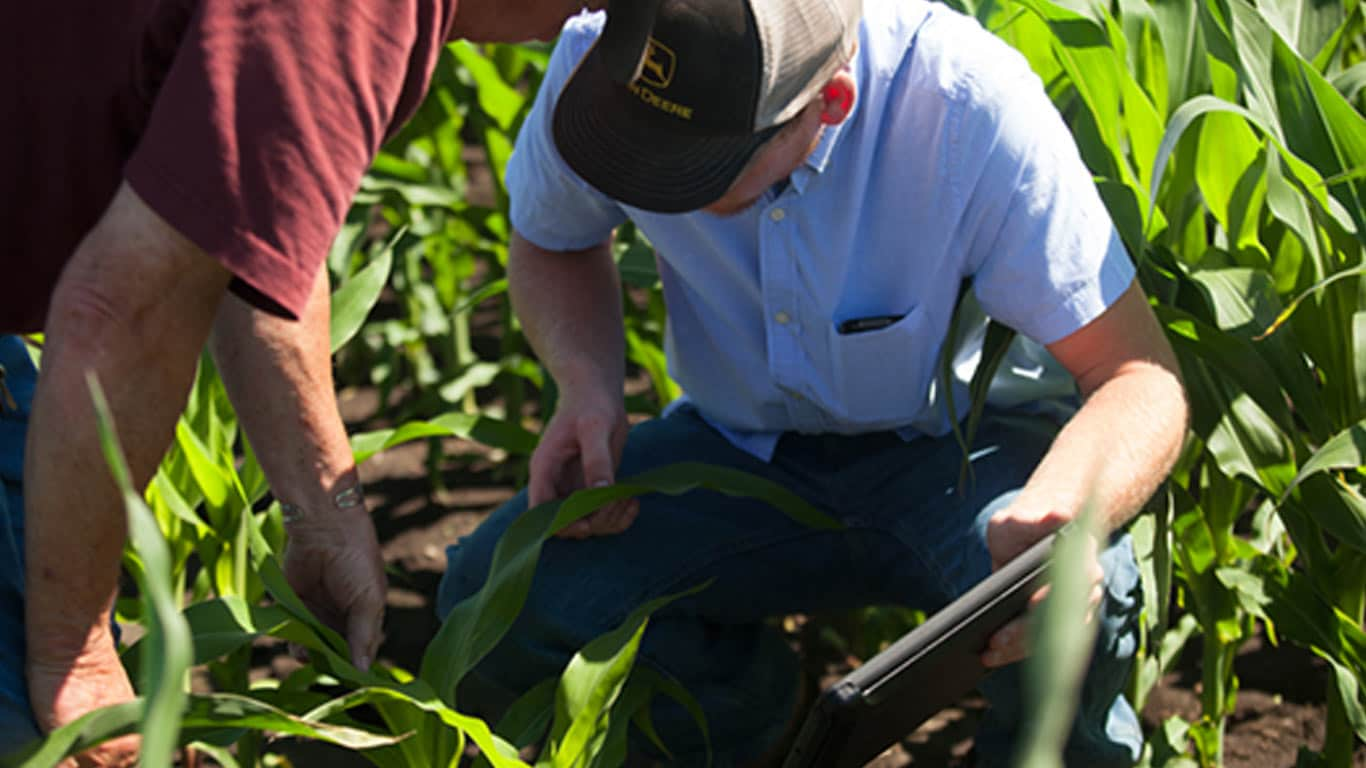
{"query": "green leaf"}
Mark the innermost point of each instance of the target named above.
(482, 429)
(168, 651)
(419, 697)
(527, 720)
(1055, 668)
(669, 686)
(352, 302)
(498, 99)
(81, 734)
(476, 625)
(1321, 127)
(220, 626)
(1348, 689)
(1336, 507)
(591, 684)
(1351, 80)
(1236, 359)
(1346, 450)
(1182, 44)
(212, 480)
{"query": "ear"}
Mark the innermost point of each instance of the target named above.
(837, 98)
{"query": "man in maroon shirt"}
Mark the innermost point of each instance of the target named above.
(175, 168)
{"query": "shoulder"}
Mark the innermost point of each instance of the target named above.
(937, 52)
(579, 34)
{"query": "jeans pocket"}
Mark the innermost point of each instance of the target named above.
(881, 375)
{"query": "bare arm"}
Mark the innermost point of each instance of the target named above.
(1124, 440)
(278, 373)
(570, 308)
(1114, 452)
(134, 306)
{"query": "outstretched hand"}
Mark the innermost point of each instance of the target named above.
(581, 448)
(333, 562)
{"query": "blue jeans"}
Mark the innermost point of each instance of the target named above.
(16, 719)
(912, 538)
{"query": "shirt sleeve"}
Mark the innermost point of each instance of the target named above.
(1045, 257)
(551, 205)
(264, 116)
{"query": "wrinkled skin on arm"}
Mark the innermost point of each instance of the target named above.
(278, 373)
(570, 307)
(133, 307)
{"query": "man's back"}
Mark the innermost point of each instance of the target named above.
(245, 125)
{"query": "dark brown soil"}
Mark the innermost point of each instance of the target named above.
(1279, 705)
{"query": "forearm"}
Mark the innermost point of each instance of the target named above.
(570, 308)
(1116, 450)
(135, 312)
(278, 374)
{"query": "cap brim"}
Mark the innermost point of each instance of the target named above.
(626, 150)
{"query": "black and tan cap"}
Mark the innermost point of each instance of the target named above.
(676, 95)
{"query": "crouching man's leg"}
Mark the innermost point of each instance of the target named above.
(944, 529)
(1106, 731)
(582, 588)
(716, 643)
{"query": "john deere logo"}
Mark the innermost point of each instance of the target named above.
(658, 69)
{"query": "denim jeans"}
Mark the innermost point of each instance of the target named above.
(16, 720)
(912, 538)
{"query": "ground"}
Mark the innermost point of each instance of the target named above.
(1279, 705)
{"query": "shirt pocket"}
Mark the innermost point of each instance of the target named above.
(880, 375)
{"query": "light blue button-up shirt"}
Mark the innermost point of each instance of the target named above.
(953, 164)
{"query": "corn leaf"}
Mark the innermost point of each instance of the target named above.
(167, 654)
(352, 302)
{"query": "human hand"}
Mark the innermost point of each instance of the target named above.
(580, 448)
(1009, 533)
(333, 562)
(62, 690)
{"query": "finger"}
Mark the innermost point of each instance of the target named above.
(1008, 645)
(579, 529)
(540, 487)
(1097, 594)
(622, 517)
(595, 455)
(363, 630)
(610, 518)
(549, 464)
(1037, 598)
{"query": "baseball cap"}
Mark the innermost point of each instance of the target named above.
(675, 96)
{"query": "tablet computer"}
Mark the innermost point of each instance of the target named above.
(930, 668)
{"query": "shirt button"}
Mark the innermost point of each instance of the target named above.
(777, 214)
(783, 318)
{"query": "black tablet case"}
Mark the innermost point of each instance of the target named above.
(930, 668)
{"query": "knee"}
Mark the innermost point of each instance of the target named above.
(1122, 601)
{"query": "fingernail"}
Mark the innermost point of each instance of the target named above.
(602, 484)
(364, 662)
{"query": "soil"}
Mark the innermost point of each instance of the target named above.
(1279, 707)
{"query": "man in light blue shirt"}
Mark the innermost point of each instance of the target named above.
(818, 180)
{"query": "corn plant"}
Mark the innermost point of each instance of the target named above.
(1226, 146)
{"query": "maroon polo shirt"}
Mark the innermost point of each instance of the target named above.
(246, 124)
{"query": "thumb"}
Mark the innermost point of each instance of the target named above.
(599, 466)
